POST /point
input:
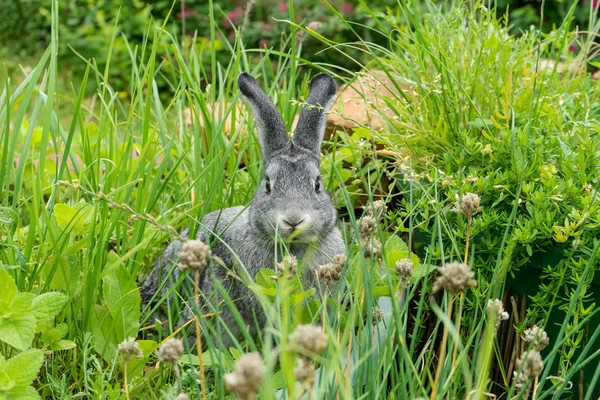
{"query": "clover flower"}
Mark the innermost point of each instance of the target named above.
(247, 376)
(194, 255)
(292, 265)
(182, 396)
(454, 277)
(530, 365)
(129, 349)
(304, 370)
(170, 351)
(331, 272)
(377, 209)
(367, 226)
(537, 337)
(372, 248)
(309, 339)
(467, 205)
(495, 306)
(377, 316)
(404, 269)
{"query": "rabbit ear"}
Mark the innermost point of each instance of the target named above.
(311, 124)
(271, 130)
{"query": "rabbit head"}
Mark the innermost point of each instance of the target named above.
(291, 200)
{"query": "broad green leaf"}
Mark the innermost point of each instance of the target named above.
(264, 278)
(21, 304)
(122, 298)
(300, 297)
(23, 368)
(29, 393)
(67, 218)
(8, 288)
(51, 336)
(381, 291)
(18, 332)
(47, 305)
(104, 338)
(396, 250)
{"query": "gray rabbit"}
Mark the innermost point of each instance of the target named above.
(290, 206)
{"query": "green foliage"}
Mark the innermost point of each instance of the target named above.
(23, 314)
(18, 373)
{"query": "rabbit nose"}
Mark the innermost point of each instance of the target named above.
(293, 220)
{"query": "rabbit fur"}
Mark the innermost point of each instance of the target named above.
(289, 200)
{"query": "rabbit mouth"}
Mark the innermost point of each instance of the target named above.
(295, 229)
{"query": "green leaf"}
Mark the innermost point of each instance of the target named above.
(63, 345)
(51, 336)
(264, 280)
(8, 288)
(21, 304)
(122, 299)
(23, 368)
(47, 305)
(136, 366)
(29, 393)
(300, 297)
(18, 332)
(68, 218)
(382, 291)
(104, 338)
(396, 250)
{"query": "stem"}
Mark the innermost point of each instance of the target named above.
(198, 335)
(178, 377)
(535, 386)
(126, 384)
(438, 371)
(467, 239)
(462, 294)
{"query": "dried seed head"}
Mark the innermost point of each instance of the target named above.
(310, 339)
(377, 316)
(537, 337)
(404, 269)
(194, 255)
(454, 277)
(170, 351)
(129, 349)
(182, 396)
(495, 307)
(339, 260)
(467, 205)
(305, 370)
(531, 365)
(372, 248)
(291, 263)
(329, 273)
(247, 376)
(376, 210)
(367, 226)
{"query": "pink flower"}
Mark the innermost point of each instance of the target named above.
(282, 7)
(595, 4)
(573, 48)
(234, 16)
(347, 8)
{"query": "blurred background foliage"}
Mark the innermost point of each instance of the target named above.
(87, 28)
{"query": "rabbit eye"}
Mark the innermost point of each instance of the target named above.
(268, 185)
(318, 185)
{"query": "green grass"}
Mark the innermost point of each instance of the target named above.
(92, 190)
